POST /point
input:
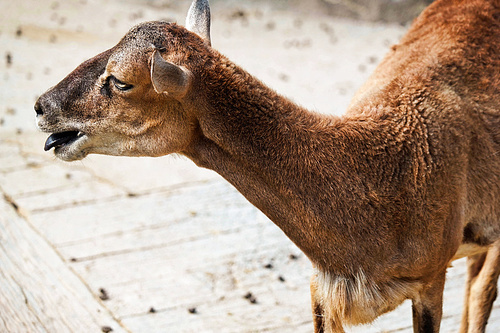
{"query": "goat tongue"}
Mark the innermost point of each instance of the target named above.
(59, 139)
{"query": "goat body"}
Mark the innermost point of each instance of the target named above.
(381, 200)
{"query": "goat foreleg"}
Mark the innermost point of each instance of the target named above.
(427, 306)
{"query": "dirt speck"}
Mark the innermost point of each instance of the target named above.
(283, 77)
(238, 14)
(372, 59)
(8, 59)
(270, 26)
(103, 294)
(251, 298)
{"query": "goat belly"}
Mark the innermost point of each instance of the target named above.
(59, 139)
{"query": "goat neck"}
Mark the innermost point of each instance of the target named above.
(300, 168)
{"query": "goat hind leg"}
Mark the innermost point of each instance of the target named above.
(474, 265)
(483, 291)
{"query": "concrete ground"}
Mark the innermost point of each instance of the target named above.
(158, 245)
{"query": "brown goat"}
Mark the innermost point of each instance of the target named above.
(381, 200)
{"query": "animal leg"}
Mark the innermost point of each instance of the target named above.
(317, 308)
(323, 322)
(428, 306)
(482, 291)
(474, 265)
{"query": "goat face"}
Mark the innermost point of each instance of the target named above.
(127, 100)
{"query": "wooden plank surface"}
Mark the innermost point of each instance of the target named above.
(38, 291)
(158, 245)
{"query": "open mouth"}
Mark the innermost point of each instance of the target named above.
(57, 140)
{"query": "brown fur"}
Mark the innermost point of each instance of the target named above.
(380, 200)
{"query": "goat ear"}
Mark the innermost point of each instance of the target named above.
(167, 77)
(198, 19)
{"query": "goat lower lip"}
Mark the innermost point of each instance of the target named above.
(60, 139)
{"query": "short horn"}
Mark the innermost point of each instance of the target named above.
(198, 19)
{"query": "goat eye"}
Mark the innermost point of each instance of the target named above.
(122, 86)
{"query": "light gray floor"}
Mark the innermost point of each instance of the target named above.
(136, 245)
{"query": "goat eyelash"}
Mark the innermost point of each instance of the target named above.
(121, 86)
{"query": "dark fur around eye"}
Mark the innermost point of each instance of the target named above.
(105, 89)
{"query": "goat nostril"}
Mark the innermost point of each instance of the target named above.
(38, 109)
